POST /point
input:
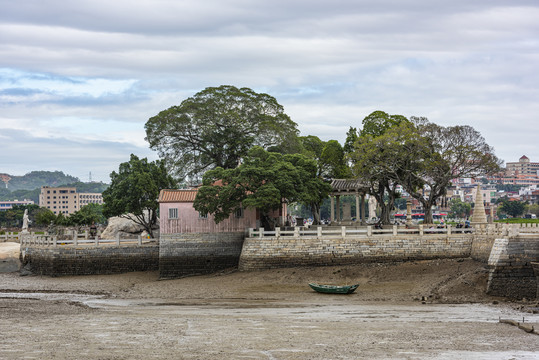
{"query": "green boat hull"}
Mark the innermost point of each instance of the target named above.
(334, 289)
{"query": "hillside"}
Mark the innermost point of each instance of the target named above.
(29, 186)
(37, 179)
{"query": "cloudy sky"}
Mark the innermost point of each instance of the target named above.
(79, 79)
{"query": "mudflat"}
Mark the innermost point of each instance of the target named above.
(413, 310)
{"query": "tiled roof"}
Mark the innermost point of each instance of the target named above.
(347, 184)
(182, 195)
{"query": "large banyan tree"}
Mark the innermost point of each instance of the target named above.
(216, 128)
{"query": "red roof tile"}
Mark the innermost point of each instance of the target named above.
(181, 195)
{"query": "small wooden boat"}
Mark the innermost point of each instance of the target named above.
(334, 289)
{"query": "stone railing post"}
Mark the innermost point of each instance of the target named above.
(118, 239)
(369, 230)
(96, 240)
(251, 230)
(343, 231)
(296, 232)
(395, 230)
(139, 240)
(514, 230)
(55, 241)
(277, 232)
(319, 232)
(75, 238)
(421, 230)
(448, 229)
(504, 231)
(261, 232)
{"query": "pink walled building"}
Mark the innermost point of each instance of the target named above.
(177, 215)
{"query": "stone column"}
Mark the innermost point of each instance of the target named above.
(346, 212)
(358, 209)
(408, 212)
(338, 208)
(332, 219)
(362, 209)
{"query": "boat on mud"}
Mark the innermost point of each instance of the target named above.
(333, 289)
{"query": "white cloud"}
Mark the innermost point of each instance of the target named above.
(91, 71)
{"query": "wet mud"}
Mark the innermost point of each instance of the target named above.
(419, 310)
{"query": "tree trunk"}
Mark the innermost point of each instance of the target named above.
(266, 222)
(384, 216)
(427, 209)
(315, 209)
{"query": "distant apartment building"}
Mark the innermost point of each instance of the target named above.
(523, 167)
(7, 205)
(66, 200)
(520, 180)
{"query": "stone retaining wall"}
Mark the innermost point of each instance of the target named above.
(511, 273)
(71, 260)
(266, 253)
(481, 247)
(198, 253)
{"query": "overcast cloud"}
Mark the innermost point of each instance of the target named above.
(79, 79)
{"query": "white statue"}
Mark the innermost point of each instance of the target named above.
(372, 207)
(25, 221)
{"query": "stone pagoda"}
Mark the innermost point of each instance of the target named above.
(479, 216)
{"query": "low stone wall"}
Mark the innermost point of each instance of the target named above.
(72, 260)
(481, 247)
(198, 253)
(267, 253)
(511, 273)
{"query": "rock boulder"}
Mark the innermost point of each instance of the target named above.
(126, 228)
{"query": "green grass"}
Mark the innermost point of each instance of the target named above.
(518, 221)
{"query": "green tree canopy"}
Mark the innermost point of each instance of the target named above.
(263, 181)
(375, 149)
(460, 209)
(14, 216)
(44, 217)
(378, 122)
(134, 191)
(439, 155)
(514, 208)
(216, 128)
(333, 161)
(329, 156)
(421, 156)
(88, 214)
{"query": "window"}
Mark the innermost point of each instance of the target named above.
(173, 213)
(239, 213)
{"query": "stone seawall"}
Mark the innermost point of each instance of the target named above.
(63, 261)
(481, 247)
(267, 253)
(511, 273)
(198, 253)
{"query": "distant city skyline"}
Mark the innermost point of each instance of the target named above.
(78, 80)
